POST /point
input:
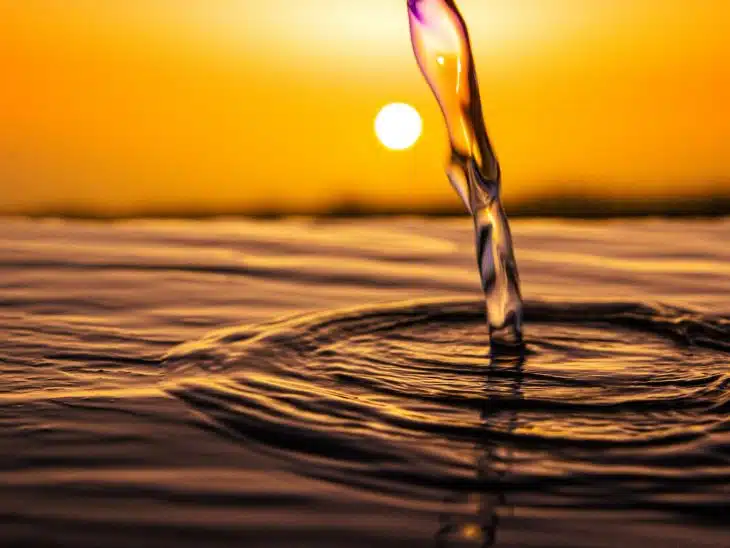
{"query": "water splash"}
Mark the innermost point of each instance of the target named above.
(443, 51)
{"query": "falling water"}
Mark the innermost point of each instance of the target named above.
(442, 47)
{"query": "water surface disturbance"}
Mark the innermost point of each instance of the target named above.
(329, 383)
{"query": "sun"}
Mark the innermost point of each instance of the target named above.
(398, 126)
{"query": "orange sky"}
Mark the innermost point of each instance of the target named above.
(124, 106)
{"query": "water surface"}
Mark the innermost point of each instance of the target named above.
(310, 383)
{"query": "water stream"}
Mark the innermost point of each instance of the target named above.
(443, 50)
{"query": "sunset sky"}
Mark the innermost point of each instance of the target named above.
(128, 106)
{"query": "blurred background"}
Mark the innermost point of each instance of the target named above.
(200, 107)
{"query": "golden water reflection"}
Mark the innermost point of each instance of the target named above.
(491, 467)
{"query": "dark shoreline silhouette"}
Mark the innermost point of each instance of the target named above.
(557, 206)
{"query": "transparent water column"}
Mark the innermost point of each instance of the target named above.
(443, 51)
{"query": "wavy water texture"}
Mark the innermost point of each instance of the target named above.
(396, 386)
(605, 410)
(330, 384)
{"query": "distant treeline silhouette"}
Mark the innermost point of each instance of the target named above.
(561, 206)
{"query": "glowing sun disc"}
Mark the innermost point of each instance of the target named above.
(398, 126)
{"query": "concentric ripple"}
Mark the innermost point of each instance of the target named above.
(609, 403)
